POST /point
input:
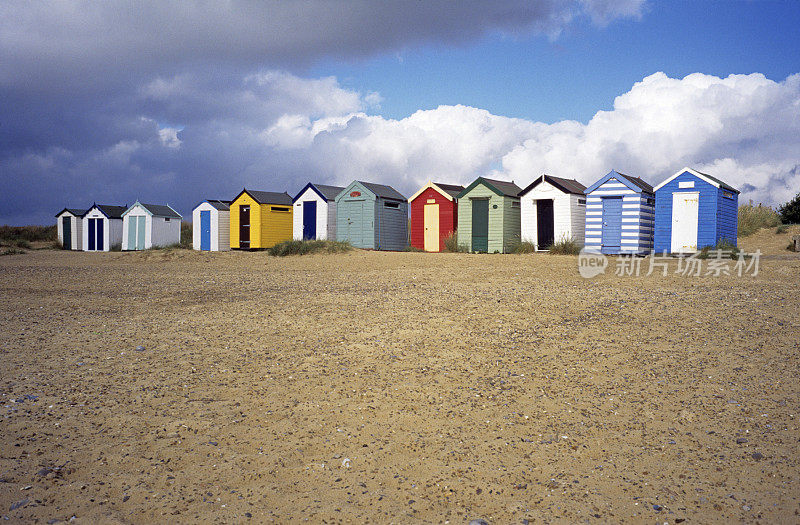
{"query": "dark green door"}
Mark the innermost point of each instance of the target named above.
(66, 227)
(480, 225)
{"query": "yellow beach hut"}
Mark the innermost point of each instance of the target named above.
(260, 219)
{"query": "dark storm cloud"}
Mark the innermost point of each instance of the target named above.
(173, 101)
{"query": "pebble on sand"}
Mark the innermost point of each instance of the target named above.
(478, 522)
(139, 348)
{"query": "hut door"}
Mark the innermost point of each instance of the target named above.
(244, 227)
(685, 211)
(100, 243)
(205, 230)
(355, 224)
(309, 219)
(66, 227)
(545, 229)
(141, 221)
(90, 245)
(131, 233)
(480, 225)
(431, 228)
(612, 224)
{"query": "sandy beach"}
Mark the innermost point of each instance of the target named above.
(396, 388)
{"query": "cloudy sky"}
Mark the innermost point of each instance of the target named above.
(111, 102)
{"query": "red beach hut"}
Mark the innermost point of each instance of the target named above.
(434, 215)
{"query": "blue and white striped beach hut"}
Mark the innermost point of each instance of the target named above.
(620, 212)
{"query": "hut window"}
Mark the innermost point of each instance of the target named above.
(514, 204)
(727, 194)
(650, 200)
(392, 204)
(166, 219)
(275, 208)
(582, 202)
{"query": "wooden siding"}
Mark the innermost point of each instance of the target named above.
(717, 215)
(276, 225)
(112, 230)
(322, 215)
(255, 218)
(76, 230)
(504, 222)
(220, 227)
(568, 216)
(727, 215)
(637, 218)
(391, 232)
(355, 217)
(448, 217)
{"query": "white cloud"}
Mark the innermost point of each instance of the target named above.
(744, 129)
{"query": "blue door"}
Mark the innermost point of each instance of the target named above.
(91, 234)
(612, 225)
(309, 219)
(205, 230)
(100, 245)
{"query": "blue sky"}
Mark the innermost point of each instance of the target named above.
(174, 102)
(579, 72)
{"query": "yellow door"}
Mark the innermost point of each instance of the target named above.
(431, 227)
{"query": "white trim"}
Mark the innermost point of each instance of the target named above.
(434, 187)
(693, 172)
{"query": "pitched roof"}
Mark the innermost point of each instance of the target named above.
(711, 180)
(500, 187)
(634, 183)
(450, 191)
(328, 193)
(565, 185)
(161, 210)
(639, 182)
(267, 197)
(109, 210)
(220, 204)
(74, 211)
(381, 190)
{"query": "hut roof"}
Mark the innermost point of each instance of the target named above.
(565, 185)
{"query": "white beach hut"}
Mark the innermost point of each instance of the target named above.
(102, 227)
(69, 222)
(553, 209)
(211, 226)
(149, 225)
(314, 215)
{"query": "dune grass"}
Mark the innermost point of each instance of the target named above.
(451, 244)
(565, 247)
(308, 247)
(754, 217)
(523, 247)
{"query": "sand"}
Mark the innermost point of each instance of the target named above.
(395, 388)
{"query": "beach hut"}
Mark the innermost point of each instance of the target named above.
(553, 210)
(694, 210)
(69, 223)
(434, 215)
(148, 225)
(102, 227)
(372, 216)
(619, 215)
(489, 216)
(260, 219)
(211, 226)
(314, 215)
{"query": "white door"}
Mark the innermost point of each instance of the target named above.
(685, 210)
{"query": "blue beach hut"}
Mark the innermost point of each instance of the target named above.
(694, 210)
(372, 216)
(619, 215)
